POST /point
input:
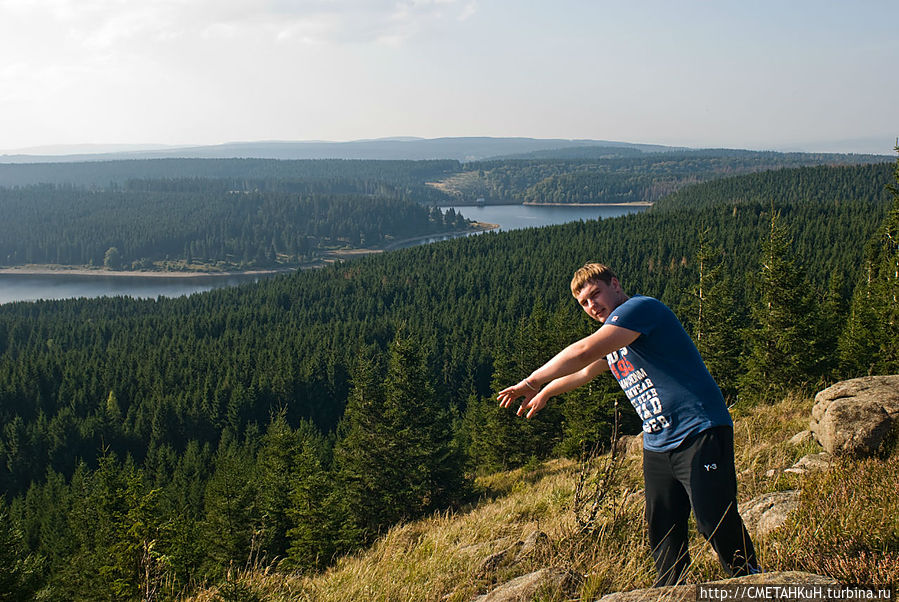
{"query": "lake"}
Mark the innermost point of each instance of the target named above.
(517, 217)
(31, 287)
(27, 287)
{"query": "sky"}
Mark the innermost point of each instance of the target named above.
(769, 74)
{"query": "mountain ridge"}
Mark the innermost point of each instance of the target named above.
(398, 148)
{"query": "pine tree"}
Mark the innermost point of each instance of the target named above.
(712, 315)
(394, 456)
(273, 468)
(499, 440)
(21, 574)
(589, 413)
(320, 527)
(231, 514)
(782, 334)
(870, 342)
(830, 319)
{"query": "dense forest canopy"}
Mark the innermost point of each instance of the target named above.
(819, 184)
(203, 222)
(621, 178)
(103, 174)
(161, 441)
(204, 214)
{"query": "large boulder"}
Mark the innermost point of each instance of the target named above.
(853, 417)
(690, 593)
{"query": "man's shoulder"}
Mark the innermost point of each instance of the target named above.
(641, 313)
(643, 302)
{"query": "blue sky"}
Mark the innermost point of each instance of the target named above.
(779, 75)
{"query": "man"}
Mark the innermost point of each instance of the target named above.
(688, 457)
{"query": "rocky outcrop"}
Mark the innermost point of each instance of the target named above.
(767, 512)
(853, 417)
(689, 593)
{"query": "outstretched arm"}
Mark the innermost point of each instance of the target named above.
(559, 386)
(571, 362)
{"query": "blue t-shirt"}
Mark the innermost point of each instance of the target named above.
(663, 375)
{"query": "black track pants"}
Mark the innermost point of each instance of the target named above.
(699, 474)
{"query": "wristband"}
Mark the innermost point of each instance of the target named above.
(530, 386)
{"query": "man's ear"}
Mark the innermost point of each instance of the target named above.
(616, 286)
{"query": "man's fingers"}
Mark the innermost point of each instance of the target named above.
(535, 407)
(507, 396)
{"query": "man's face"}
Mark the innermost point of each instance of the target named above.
(599, 299)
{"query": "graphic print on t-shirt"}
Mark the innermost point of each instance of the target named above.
(639, 390)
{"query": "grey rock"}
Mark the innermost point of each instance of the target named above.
(853, 417)
(490, 564)
(532, 544)
(635, 446)
(512, 554)
(689, 593)
(525, 588)
(630, 445)
(801, 438)
(767, 512)
(812, 463)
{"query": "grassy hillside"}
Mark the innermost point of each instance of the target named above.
(853, 537)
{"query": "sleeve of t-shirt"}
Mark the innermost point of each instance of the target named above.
(640, 314)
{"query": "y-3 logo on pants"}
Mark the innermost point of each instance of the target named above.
(710, 467)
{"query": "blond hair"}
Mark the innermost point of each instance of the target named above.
(591, 272)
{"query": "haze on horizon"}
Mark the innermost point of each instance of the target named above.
(797, 75)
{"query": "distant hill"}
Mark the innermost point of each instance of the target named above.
(461, 149)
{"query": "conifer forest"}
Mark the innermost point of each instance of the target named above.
(147, 446)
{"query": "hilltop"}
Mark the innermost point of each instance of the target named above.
(154, 446)
(461, 554)
(408, 148)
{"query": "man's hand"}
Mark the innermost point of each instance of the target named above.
(510, 394)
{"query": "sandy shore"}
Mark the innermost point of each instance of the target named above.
(62, 270)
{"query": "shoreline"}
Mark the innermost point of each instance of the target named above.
(80, 270)
(62, 270)
(478, 227)
(634, 204)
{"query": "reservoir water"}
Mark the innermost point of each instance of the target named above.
(516, 217)
(27, 287)
(31, 287)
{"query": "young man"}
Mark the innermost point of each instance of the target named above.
(688, 454)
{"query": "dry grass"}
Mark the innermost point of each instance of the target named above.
(761, 444)
(455, 556)
(847, 524)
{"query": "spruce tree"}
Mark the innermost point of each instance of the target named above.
(395, 460)
(320, 528)
(870, 342)
(273, 466)
(231, 512)
(780, 338)
(712, 315)
(499, 440)
(21, 574)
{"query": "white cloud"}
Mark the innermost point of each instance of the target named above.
(106, 23)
